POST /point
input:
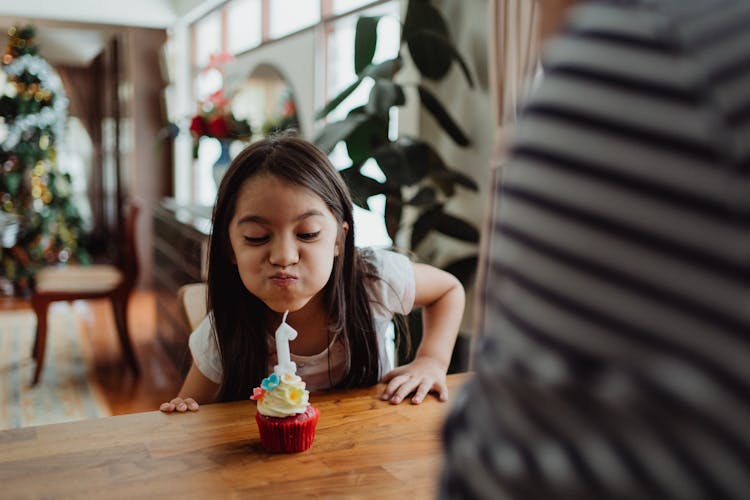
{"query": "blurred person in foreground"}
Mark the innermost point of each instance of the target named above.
(614, 360)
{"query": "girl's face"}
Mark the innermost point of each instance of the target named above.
(284, 239)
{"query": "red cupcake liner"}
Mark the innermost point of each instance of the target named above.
(289, 434)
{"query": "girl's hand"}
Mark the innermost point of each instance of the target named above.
(180, 405)
(196, 384)
(442, 299)
(422, 375)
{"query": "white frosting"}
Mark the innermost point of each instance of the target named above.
(284, 399)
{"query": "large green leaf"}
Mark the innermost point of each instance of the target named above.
(443, 45)
(425, 196)
(422, 16)
(424, 224)
(338, 131)
(443, 118)
(464, 269)
(404, 162)
(365, 41)
(384, 95)
(446, 179)
(366, 137)
(361, 186)
(338, 99)
(463, 179)
(448, 187)
(457, 228)
(392, 161)
(419, 151)
(386, 69)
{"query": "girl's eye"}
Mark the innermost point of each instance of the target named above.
(308, 236)
(256, 240)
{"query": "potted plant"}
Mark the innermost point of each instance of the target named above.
(416, 177)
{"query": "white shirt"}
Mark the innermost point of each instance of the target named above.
(392, 294)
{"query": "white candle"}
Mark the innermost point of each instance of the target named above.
(284, 333)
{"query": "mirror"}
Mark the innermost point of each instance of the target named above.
(266, 100)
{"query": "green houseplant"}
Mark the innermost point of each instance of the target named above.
(415, 174)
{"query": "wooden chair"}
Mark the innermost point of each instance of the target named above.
(74, 282)
(192, 300)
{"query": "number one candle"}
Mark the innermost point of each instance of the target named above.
(284, 333)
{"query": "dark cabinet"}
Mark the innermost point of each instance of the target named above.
(180, 248)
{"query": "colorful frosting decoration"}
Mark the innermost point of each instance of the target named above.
(281, 396)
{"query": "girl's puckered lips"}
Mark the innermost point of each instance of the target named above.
(283, 279)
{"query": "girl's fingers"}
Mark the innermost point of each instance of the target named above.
(400, 385)
(443, 392)
(179, 404)
(422, 391)
(191, 404)
(393, 385)
(404, 390)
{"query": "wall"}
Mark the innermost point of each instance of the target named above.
(147, 172)
(294, 57)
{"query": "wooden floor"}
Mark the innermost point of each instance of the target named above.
(159, 381)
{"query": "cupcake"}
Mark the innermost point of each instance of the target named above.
(286, 419)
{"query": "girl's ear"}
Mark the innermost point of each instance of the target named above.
(340, 240)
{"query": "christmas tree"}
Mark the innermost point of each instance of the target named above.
(33, 190)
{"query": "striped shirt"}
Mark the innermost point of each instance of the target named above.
(614, 352)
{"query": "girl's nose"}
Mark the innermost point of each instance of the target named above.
(283, 252)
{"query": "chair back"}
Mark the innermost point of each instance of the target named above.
(192, 299)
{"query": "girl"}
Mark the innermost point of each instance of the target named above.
(283, 238)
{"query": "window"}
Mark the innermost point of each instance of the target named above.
(244, 25)
(343, 6)
(288, 16)
(207, 38)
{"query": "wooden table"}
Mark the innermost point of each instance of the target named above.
(363, 447)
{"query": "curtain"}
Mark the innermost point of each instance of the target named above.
(513, 50)
(513, 58)
(79, 86)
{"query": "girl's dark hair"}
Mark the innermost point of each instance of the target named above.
(239, 319)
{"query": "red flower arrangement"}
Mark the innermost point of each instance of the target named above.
(214, 120)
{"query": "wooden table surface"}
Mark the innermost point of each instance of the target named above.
(363, 447)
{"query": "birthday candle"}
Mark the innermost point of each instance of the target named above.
(284, 333)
